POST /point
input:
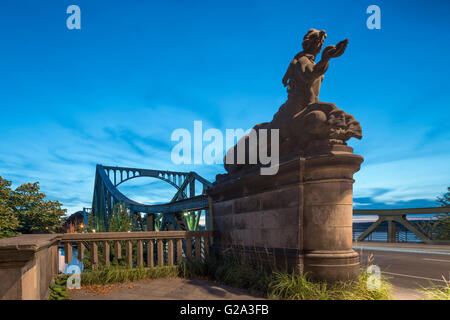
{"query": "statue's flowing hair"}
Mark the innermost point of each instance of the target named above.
(313, 35)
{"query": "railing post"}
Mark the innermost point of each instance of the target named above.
(159, 244)
(94, 255)
(188, 247)
(198, 253)
(150, 254)
(170, 252)
(179, 251)
(118, 250)
(140, 253)
(80, 251)
(68, 252)
(129, 253)
(55, 260)
(106, 253)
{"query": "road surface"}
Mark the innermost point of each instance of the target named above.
(408, 266)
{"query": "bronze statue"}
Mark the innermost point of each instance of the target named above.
(307, 126)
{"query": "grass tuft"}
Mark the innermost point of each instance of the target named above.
(282, 285)
(298, 287)
(436, 292)
(117, 274)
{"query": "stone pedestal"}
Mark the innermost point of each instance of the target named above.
(300, 218)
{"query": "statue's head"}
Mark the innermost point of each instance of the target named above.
(313, 41)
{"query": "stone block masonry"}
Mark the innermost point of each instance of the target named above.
(300, 218)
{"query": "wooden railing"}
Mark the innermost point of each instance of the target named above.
(157, 247)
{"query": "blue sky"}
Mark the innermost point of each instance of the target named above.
(114, 91)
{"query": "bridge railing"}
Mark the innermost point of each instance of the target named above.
(136, 249)
(29, 263)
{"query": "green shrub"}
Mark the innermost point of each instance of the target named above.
(58, 290)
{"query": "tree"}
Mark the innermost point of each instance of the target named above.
(36, 214)
(26, 210)
(9, 223)
(445, 199)
(120, 220)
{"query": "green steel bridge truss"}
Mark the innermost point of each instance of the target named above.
(181, 213)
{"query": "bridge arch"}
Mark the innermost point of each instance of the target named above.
(107, 195)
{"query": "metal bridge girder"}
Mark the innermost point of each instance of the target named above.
(408, 225)
(401, 219)
(371, 228)
(106, 194)
(181, 194)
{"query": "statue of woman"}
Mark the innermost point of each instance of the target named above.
(304, 76)
(306, 125)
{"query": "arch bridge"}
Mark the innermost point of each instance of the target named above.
(181, 213)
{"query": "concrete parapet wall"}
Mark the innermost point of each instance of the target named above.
(28, 264)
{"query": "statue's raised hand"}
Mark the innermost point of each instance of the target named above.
(334, 51)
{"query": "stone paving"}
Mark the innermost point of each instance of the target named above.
(188, 289)
(164, 289)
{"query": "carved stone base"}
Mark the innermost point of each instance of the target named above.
(332, 265)
(300, 218)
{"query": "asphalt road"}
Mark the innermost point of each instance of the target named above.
(410, 267)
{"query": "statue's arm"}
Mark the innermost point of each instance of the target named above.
(310, 71)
